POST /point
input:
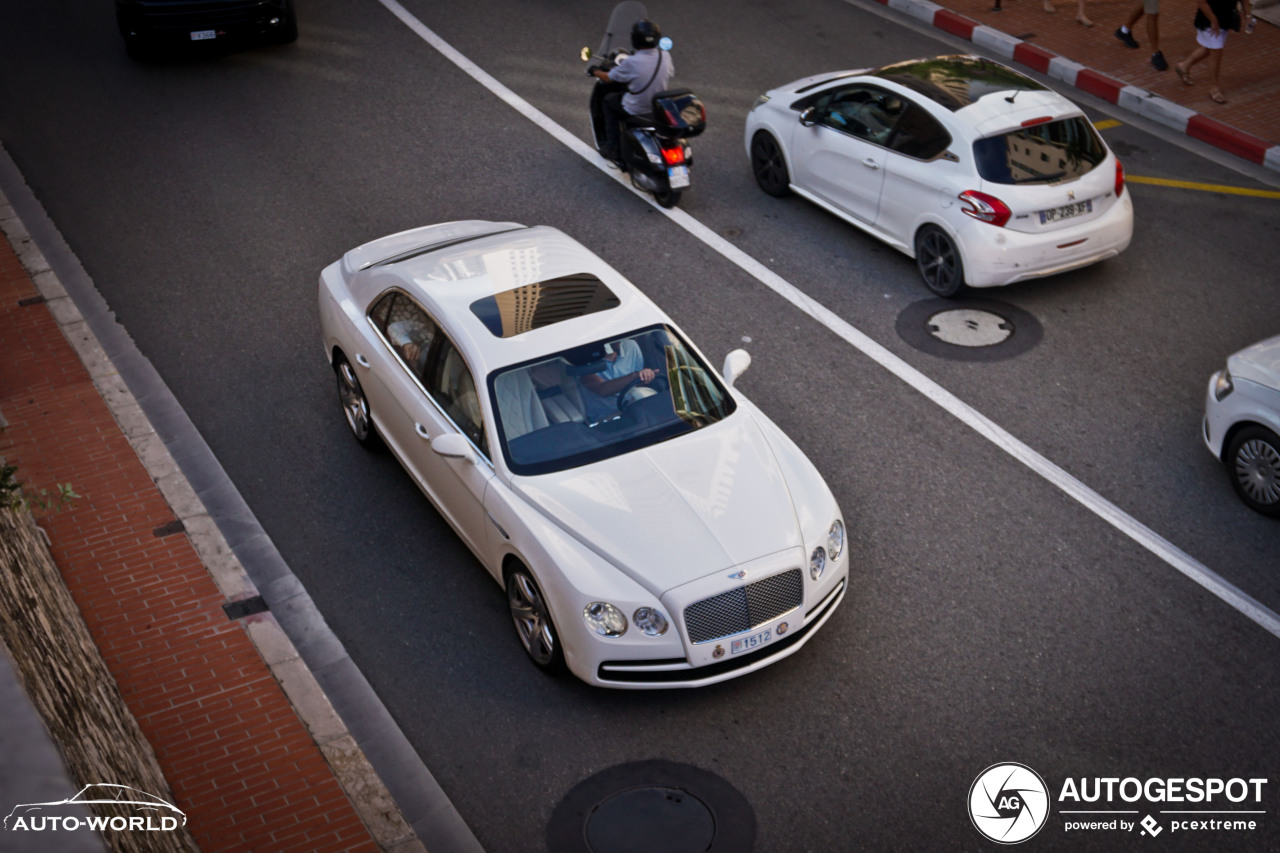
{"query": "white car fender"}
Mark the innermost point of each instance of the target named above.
(557, 560)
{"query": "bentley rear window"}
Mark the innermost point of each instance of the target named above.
(542, 303)
(1040, 154)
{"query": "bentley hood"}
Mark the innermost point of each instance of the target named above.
(677, 510)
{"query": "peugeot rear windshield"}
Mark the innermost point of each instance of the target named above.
(1045, 153)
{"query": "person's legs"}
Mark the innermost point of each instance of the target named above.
(1184, 67)
(1081, 17)
(1215, 67)
(613, 116)
(1125, 32)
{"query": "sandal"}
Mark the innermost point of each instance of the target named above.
(1218, 97)
(1183, 74)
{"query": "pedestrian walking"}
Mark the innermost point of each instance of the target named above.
(1081, 17)
(1213, 19)
(1151, 10)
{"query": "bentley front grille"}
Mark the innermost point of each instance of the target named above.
(744, 608)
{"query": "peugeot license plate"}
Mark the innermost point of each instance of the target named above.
(1070, 210)
(201, 35)
(678, 176)
(755, 641)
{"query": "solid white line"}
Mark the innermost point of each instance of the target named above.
(1087, 497)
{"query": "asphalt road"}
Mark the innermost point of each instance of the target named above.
(991, 618)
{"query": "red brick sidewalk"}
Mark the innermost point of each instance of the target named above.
(1250, 63)
(242, 765)
(1247, 126)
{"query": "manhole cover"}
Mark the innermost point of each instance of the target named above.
(969, 329)
(652, 805)
(631, 821)
(966, 327)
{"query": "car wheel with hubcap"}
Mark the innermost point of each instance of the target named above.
(1253, 459)
(769, 166)
(939, 261)
(354, 404)
(532, 619)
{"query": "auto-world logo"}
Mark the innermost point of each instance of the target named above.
(148, 813)
(1008, 803)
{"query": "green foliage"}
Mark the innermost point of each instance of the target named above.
(14, 495)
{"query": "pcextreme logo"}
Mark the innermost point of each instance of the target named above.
(1009, 803)
(150, 813)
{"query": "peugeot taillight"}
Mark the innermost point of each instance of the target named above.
(985, 208)
(673, 155)
(1119, 177)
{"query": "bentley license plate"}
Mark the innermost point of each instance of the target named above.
(754, 641)
(1066, 212)
(201, 35)
(678, 176)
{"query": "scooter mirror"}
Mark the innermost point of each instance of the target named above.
(666, 43)
(585, 53)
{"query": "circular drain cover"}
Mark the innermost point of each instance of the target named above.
(652, 805)
(969, 329)
(630, 821)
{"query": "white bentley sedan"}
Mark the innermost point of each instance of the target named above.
(651, 527)
(980, 173)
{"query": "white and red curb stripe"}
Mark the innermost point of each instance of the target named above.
(1144, 103)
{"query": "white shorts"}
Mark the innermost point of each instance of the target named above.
(1206, 38)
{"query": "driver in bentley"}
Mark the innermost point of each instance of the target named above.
(624, 364)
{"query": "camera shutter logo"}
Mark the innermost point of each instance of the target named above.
(1008, 803)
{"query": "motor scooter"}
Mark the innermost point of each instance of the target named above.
(655, 151)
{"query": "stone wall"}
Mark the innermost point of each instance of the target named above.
(69, 684)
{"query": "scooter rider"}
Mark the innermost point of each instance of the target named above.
(643, 74)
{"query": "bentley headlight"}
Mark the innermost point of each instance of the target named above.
(760, 101)
(835, 539)
(1222, 385)
(817, 562)
(651, 621)
(605, 619)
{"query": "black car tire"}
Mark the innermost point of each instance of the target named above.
(769, 166)
(1253, 461)
(532, 618)
(939, 261)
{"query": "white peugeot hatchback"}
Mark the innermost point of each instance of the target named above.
(980, 173)
(651, 527)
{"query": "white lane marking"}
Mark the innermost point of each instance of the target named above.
(1091, 500)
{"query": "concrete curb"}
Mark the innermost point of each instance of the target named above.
(1145, 103)
(362, 785)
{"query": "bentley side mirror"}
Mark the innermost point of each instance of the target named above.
(808, 116)
(735, 364)
(453, 445)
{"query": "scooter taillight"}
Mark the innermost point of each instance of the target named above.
(673, 154)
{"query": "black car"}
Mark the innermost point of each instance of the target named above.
(154, 23)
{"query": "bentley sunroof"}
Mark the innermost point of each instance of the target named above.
(956, 82)
(532, 306)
